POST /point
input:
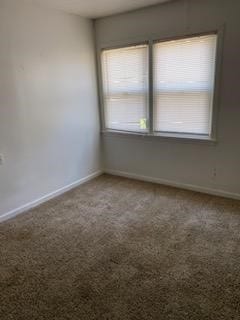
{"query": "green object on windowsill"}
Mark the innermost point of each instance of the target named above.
(143, 123)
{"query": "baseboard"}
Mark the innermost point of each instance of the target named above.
(13, 213)
(215, 192)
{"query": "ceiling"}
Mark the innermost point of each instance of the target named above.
(96, 8)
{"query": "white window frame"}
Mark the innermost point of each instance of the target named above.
(212, 137)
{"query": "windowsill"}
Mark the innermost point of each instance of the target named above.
(162, 136)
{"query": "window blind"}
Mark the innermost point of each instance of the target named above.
(183, 84)
(125, 88)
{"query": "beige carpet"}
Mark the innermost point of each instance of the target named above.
(119, 249)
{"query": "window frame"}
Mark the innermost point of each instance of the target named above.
(150, 41)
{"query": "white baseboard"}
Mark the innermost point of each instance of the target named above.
(215, 192)
(13, 213)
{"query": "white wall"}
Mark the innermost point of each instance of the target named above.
(49, 126)
(214, 167)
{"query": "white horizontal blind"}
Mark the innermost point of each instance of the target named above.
(125, 88)
(184, 72)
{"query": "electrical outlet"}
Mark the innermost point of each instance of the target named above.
(1, 159)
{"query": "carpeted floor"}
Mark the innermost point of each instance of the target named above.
(119, 249)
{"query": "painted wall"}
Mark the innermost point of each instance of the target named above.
(49, 125)
(206, 166)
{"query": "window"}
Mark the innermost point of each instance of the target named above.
(178, 99)
(184, 72)
(125, 88)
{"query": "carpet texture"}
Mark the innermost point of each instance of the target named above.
(119, 249)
